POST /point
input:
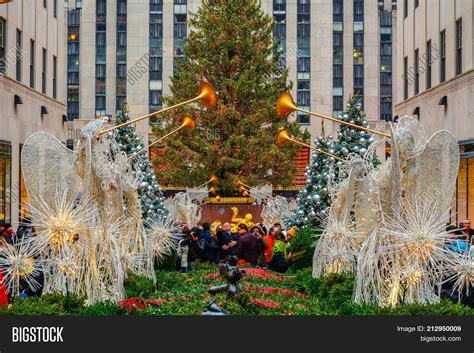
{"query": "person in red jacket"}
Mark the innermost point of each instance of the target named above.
(270, 239)
(3, 289)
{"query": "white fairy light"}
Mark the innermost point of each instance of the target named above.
(18, 264)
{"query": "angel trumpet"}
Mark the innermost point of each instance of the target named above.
(216, 199)
(212, 190)
(285, 106)
(284, 137)
(248, 191)
(188, 123)
(206, 96)
(212, 180)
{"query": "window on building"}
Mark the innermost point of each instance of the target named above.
(73, 106)
(55, 77)
(55, 8)
(428, 64)
(337, 103)
(100, 71)
(405, 8)
(338, 11)
(442, 61)
(337, 76)
(19, 55)
(359, 76)
(3, 45)
(101, 8)
(73, 78)
(459, 46)
(279, 6)
(120, 101)
(45, 3)
(32, 63)
(100, 105)
(358, 10)
(121, 7)
(417, 71)
(44, 67)
(155, 98)
(416, 3)
(179, 31)
(156, 6)
(405, 77)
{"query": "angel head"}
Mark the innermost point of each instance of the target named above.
(405, 142)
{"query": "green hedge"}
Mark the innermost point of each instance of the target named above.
(268, 294)
(302, 246)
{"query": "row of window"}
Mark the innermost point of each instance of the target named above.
(385, 17)
(156, 55)
(358, 50)
(279, 16)
(121, 81)
(100, 57)
(303, 33)
(338, 57)
(18, 58)
(424, 64)
(73, 56)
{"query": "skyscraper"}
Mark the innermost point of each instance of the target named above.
(333, 49)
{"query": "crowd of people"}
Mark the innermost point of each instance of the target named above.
(255, 246)
(459, 242)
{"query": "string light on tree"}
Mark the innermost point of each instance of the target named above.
(313, 202)
(151, 196)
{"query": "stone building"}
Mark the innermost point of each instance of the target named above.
(32, 81)
(435, 78)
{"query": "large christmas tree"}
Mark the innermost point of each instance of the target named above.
(151, 196)
(313, 201)
(231, 46)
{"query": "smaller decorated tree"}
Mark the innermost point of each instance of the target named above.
(314, 201)
(349, 139)
(314, 198)
(151, 196)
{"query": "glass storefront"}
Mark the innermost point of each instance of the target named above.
(5, 180)
(463, 207)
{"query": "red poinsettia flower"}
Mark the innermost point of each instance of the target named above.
(267, 303)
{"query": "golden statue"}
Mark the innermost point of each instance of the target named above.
(247, 220)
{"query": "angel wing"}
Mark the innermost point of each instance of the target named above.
(48, 166)
(435, 170)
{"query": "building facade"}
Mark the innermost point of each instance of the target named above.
(123, 49)
(32, 81)
(434, 61)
